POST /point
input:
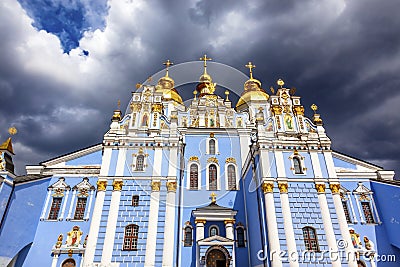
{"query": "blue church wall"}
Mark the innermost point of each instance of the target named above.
(343, 164)
(89, 159)
(129, 214)
(22, 217)
(255, 239)
(48, 231)
(113, 162)
(322, 163)
(22, 255)
(5, 192)
(388, 233)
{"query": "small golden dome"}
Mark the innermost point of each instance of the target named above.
(166, 86)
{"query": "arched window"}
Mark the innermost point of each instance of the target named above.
(240, 237)
(135, 200)
(346, 210)
(212, 176)
(310, 239)
(139, 162)
(69, 263)
(188, 236)
(211, 146)
(80, 208)
(297, 166)
(366, 207)
(231, 177)
(131, 237)
(194, 176)
(213, 230)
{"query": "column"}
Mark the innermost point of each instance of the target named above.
(344, 229)
(199, 229)
(64, 206)
(95, 224)
(55, 260)
(90, 206)
(288, 224)
(326, 218)
(46, 204)
(229, 228)
(71, 206)
(98, 207)
(273, 238)
(169, 228)
(153, 221)
(109, 238)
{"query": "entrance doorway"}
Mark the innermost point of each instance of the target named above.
(69, 263)
(216, 258)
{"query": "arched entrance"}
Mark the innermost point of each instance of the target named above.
(69, 263)
(217, 256)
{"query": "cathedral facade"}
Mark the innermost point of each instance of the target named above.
(208, 183)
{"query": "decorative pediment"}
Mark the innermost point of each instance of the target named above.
(84, 187)
(216, 239)
(362, 189)
(59, 187)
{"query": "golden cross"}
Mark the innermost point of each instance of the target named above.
(213, 197)
(250, 66)
(167, 63)
(314, 108)
(205, 58)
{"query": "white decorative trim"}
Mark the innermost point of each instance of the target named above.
(211, 226)
(208, 146)
(46, 204)
(198, 175)
(316, 165)
(302, 166)
(218, 176)
(105, 161)
(86, 218)
(280, 164)
(71, 205)
(169, 228)
(236, 176)
(152, 229)
(65, 200)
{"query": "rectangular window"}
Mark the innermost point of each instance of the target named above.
(131, 237)
(369, 217)
(346, 211)
(55, 208)
(135, 201)
(80, 208)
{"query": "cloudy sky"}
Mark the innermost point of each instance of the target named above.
(65, 63)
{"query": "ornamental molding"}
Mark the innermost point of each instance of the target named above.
(194, 158)
(59, 187)
(117, 185)
(267, 187)
(101, 185)
(84, 187)
(171, 186)
(230, 160)
(212, 160)
(320, 188)
(155, 186)
(335, 188)
(283, 187)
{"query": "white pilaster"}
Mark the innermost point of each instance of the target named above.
(288, 225)
(46, 205)
(244, 138)
(272, 226)
(54, 260)
(352, 208)
(344, 229)
(326, 218)
(64, 206)
(153, 221)
(280, 165)
(375, 210)
(359, 209)
(98, 208)
(111, 223)
(114, 208)
(315, 165)
(89, 206)
(229, 229)
(95, 223)
(71, 206)
(200, 229)
(169, 244)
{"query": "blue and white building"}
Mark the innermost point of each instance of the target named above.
(209, 183)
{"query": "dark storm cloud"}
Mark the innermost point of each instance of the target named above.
(342, 55)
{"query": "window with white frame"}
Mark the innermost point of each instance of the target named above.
(139, 160)
(212, 145)
(194, 176)
(131, 235)
(310, 239)
(56, 200)
(212, 177)
(231, 171)
(240, 236)
(188, 235)
(81, 202)
(214, 230)
(366, 205)
(298, 164)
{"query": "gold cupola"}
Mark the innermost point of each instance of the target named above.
(252, 90)
(206, 85)
(166, 86)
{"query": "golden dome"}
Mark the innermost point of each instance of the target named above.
(252, 92)
(166, 86)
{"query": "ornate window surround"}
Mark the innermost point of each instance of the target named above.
(231, 162)
(364, 194)
(193, 160)
(57, 190)
(82, 190)
(134, 160)
(187, 226)
(240, 226)
(345, 196)
(216, 227)
(297, 155)
(208, 145)
(213, 161)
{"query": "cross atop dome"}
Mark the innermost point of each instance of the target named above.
(250, 66)
(167, 64)
(205, 59)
